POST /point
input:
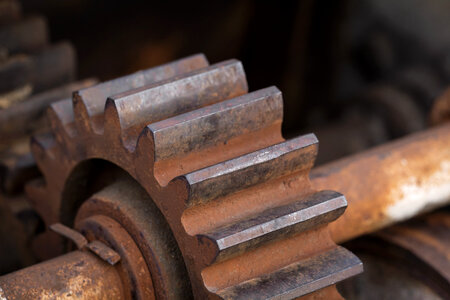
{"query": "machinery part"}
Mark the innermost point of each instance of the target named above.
(212, 159)
(405, 261)
(389, 183)
(79, 274)
(13, 253)
(29, 66)
(396, 107)
(135, 273)
(23, 74)
(440, 111)
(17, 165)
(128, 204)
(28, 117)
(404, 158)
(27, 35)
(33, 73)
(74, 236)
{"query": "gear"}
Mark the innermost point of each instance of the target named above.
(211, 188)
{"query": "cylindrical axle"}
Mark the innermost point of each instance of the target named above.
(390, 183)
(76, 275)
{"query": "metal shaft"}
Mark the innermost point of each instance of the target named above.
(390, 183)
(76, 275)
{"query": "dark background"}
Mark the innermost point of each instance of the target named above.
(357, 73)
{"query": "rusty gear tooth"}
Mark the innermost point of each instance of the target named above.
(61, 118)
(36, 189)
(89, 103)
(129, 112)
(298, 279)
(222, 121)
(275, 223)
(45, 152)
(214, 163)
(60, 115)
(234, 124)
(21, 119)
(251, 169)
(43, 147)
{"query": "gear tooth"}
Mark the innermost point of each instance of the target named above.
(60, 115)
(216, 133)
(219, 180)
(212, 158)
(145, 146)
(218, 123)
(276, 223)
(37, 191)
(113, 130)
(85, 118)
(89, 103)
(136, 108)
(42, 147)
(300, 278)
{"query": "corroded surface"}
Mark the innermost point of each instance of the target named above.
(210, 155)
(410, 260)
(77, 275)
(390, 183)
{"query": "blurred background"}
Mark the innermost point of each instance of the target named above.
(357, 73)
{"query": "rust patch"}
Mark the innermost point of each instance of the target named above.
(389, 183)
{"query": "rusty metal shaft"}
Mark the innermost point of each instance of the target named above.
(384, 185)
(390, 183)
(76, 275)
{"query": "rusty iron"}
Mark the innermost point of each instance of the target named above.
(104, 252)
(119, 245)
(181, 180)
(185, 144)
(211, 158)
(389, 183)
(17, 165)
(13, 253)
(26, 35)
(426, 238)
(29, 116)
(410, 261)
(440, 112)
(33, 73)
(48, 68)
(77, 238)
(147, 227)
(110, 242)
(78, 274)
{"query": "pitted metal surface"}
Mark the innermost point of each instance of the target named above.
(211, 157)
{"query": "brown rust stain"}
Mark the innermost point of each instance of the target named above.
(373, 181)
(244, 204)
(255, 263)
(328, 293)
(440, 112)
(166, 170)
(239, 179)
(77, 275)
